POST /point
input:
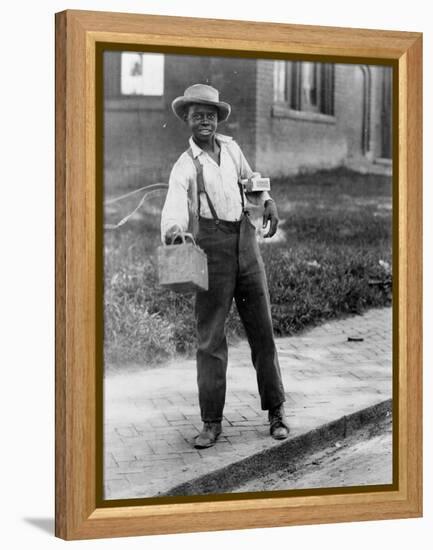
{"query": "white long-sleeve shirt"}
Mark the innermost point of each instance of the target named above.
(221, 182)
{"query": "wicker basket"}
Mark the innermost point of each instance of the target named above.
(183, 267)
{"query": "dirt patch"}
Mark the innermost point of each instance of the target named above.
(364, 458)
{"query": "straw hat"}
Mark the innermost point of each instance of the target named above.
(203, 94)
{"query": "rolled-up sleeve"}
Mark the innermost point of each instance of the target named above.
(175, 209)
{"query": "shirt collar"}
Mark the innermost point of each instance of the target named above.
(196, 150)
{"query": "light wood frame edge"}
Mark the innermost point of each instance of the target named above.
(77, 516)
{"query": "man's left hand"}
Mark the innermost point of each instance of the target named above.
(270, 214)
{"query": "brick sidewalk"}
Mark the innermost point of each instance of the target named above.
(151, 417)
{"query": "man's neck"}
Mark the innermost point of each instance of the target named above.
(210, 145)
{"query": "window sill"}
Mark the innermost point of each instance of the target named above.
(383, 161)
(135, 103)
(283, 111)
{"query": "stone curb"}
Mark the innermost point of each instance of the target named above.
(283, 455)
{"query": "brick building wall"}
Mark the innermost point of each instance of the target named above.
(289, 142)
(349, 108)
(143, 138)
(235, 79)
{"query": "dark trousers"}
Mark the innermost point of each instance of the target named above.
(236, 271)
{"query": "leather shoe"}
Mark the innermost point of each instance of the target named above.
(279, 426)
(208, 436)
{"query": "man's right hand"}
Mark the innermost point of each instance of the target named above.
(172, 233)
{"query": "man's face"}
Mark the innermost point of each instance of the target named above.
(202, 121)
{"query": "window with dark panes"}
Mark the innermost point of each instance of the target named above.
(305, 86)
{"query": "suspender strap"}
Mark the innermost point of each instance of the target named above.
(200, 185)
(241, 190)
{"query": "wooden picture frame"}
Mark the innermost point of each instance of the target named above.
(79, 514)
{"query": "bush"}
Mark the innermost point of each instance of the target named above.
(143, 322)
(308, 286)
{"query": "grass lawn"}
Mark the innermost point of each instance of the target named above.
(332, 258)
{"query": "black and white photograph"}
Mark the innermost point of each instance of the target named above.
(247, 274)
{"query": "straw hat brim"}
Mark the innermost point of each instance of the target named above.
(181, 103)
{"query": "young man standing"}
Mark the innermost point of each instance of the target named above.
(212, 167)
